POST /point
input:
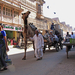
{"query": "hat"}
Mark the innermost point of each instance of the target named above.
(37, 30)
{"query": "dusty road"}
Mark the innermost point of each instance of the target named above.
(53, 63)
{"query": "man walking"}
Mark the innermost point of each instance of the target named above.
(39, 44)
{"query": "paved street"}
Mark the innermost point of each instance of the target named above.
(53, 63)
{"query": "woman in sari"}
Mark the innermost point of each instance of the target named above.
(3, 48)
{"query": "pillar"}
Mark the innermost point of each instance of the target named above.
(15, 35)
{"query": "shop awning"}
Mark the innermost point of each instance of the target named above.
(12, 28)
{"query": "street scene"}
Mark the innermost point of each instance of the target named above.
(52, 63)
(35, 38)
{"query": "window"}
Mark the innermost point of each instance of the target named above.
(39, 9)
(11, 12)
(3, 10)
(7, 11)
(0, 9)
(16, 14)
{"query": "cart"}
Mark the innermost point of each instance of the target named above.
(48, 44)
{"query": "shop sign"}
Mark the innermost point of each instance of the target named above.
(6, 27)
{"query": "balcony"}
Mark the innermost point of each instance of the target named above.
(12, 3)
(28, 4)
(39, 16)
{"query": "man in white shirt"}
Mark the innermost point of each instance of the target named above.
(39, 44)
(72, 35)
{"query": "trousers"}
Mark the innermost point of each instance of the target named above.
(38, 52)
(2, 56)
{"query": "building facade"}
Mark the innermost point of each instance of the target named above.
(10, 16)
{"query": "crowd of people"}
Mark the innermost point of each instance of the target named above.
(50, 37)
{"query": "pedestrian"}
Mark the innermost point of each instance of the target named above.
(11, 41)
(72, 35)
(19, 42)
(3, 48)
(67, 38)
(39, 44)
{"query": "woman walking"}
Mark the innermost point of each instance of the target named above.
(3, 48)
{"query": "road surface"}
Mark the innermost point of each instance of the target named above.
(53, 63)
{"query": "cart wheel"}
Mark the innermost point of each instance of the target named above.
(57, 47)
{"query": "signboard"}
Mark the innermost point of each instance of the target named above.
(12, 28)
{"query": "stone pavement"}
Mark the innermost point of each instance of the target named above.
(53, 63)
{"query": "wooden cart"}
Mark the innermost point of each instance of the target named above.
(47, 44)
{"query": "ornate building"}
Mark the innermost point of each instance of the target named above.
(10, 16)
(36, 8)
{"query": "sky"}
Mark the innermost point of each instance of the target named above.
(65, 10)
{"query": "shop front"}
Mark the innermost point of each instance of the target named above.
(13, 31)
